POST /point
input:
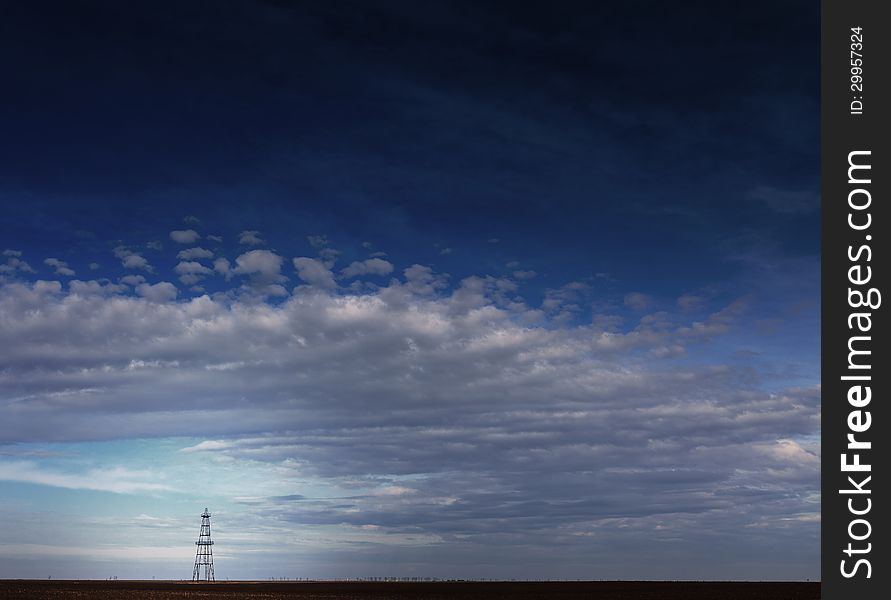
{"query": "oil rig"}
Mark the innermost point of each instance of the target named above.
(204, 554)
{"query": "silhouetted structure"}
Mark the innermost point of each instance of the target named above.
(204, 555)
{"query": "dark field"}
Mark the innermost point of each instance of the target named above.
(614, 590)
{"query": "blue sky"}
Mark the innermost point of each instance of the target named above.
(467, 290)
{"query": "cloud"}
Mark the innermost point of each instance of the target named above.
(194, 253)
(250, 238)
(493, 240)
(97, 288)
(690, 302)
(328, 256)
(262, 263)
(191, 219)
(421, 280)
(222, 266)
(42, 288)
(191, 272)
(519, 425)
(154, 245)
(60, 266)
(118, 480)
(206, 445)
(14, 263)
(315, 272)
(607, 323)
(94, 266)
(216, 238)
(445, 251)
(638, 301)
(159, 292)
(448, 413)
(135, 261)
(525, 274)
(133, 280)
(372, 266)
(263, 269)
(317, 241)
(132, 260)
(788, 202)
(564, 303)
(184, 236)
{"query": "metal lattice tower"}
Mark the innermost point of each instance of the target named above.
(204, 554)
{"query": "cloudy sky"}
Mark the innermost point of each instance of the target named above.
(449, 289)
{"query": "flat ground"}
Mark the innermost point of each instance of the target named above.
(594, 590)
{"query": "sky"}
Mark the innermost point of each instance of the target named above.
(442, 289)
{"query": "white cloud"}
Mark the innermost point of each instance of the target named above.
(184, 236)
(314, 272)
(263, 270)
(440, 412)
(420, 279)
(216, 238)
(263, 263)
(42, 287)
(222, 266)
(94, 266)
(372, 266)
(194, 253)
(132, 260)
(118, 480)
(133, 280)
(328, 256)
(208, 445)
(564, 301)
(98, 553)
(250, 238)
(96, 288)
(159, 292)
(525, 274)
(274, 289)
(14, 263)
(60, 266)
(135, 261)
(191, 272)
